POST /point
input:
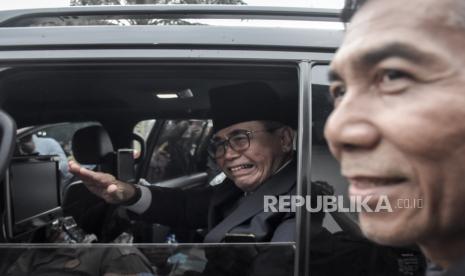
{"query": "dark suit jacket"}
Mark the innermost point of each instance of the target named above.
(457, 269)
(224, 209)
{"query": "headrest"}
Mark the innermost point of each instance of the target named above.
(92, 145)
(250, 101)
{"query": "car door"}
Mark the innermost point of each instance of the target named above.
(277, 55)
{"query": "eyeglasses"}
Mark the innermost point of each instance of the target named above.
(238, 141)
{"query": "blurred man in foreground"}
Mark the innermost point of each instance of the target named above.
(397, 128)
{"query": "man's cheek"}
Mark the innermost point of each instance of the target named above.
(221, 165)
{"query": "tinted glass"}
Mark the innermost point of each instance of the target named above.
(63, 133)
(57, 140)
(180, 149)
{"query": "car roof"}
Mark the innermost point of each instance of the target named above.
(63, 73)
(10, 17)
(16, 32)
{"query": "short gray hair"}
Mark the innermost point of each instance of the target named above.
(455, 16)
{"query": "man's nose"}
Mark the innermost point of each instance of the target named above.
(351, 127)
(229, 152)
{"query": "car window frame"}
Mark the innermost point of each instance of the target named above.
(301, 60)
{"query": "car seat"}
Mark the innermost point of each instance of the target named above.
(92, 146)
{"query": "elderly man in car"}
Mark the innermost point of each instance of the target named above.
(252, 146)
(398, 82)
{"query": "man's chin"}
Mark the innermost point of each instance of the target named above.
(381, 232)
(246, 185)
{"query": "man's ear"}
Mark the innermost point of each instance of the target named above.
(286, 138)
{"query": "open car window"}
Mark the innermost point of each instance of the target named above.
(126, 102)
(52, 139)
(61, 132)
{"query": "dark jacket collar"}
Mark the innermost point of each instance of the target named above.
(281, 183)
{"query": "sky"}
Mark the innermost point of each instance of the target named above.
(26, 4)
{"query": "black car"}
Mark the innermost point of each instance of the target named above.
(145, 85)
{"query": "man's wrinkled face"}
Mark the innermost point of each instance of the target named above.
(398, 127)
(250, 167)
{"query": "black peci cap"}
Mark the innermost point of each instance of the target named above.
(250, 101)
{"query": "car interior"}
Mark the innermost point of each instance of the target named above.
(116, 97)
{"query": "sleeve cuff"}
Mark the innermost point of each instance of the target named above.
(143, 203)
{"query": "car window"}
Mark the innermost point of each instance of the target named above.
(55, 139)
(180, 149)
(63, 134)
(324, 167)
(176, 148)
(143, 128)
(142, 131)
